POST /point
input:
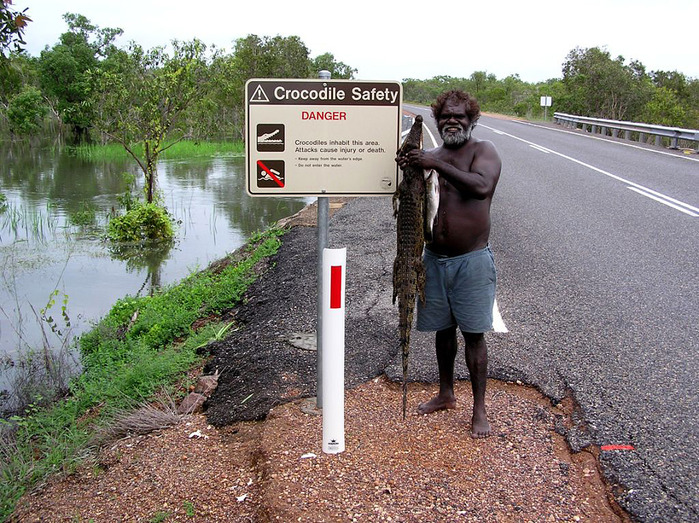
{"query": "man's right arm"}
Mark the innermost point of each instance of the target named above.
(477, 181)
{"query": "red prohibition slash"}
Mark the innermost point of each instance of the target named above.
(335, 286)
(271, 174)
(617, 447)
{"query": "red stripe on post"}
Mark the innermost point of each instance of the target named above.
(335, 286)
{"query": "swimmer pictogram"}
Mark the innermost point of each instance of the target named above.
(270, 173)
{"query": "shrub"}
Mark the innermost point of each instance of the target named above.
(25, 111)
(144, 222)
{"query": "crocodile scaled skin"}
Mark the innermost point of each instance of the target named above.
(408, 270)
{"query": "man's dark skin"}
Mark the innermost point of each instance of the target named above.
(469, 170)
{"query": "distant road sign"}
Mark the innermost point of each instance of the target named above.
(322, 137)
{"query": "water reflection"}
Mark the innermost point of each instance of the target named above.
(44, 246)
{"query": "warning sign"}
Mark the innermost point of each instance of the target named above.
(322, 137)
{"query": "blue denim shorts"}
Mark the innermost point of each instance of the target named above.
(459, 291)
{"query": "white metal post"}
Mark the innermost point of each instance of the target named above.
(334, 278)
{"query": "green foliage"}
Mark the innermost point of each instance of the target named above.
(593, 84)
(66, 68)
(128, 200)
(189, 509)
(147, 100)
(664, 108)
(12, 25)
(129, 356)
(604, 87)
(144, 222)
(169, 314)
(508, 96)
(183, 149)
(25, 111)
(86, 216)
(159, 517)
(327, 62)
(270, 57)
(147, 103)
(684, 93)
(17, 74)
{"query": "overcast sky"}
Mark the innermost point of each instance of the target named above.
(389, 40)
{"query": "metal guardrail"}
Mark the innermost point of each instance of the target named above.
(640, 130)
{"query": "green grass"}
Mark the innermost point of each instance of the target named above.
(143, 346)
(183, 149)
(187, 149)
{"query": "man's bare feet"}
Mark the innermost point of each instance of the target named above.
(480, 428)
(435, 404)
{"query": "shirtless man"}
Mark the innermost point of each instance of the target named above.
(460, 268)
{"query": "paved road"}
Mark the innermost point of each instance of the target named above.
(596, 244)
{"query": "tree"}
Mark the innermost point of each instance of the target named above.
(12, 25)
(252, 57)
(65, 69)
(146, 104)
(664, 108)
(270, 57)
(600, 86)
(478, 80)
(686, 91)
(327, 62)
(24, 112)
(16, 72)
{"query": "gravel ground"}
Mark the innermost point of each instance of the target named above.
(243, 460)
(423, 469)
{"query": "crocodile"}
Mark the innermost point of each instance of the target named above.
(408, 269)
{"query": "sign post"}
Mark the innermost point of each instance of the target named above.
(322, 138)
(545, 103)
(322, 221)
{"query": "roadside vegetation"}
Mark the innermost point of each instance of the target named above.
(140, 350)
(592, 84)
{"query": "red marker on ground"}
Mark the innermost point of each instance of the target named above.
(617, 447)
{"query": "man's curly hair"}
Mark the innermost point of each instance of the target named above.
(473, 110)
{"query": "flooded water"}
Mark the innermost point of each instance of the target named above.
(52, 228)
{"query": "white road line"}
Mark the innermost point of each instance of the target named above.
(638, 186)
(666, 202)
(661, 195)
(539, 148)
(498, 323)
(434, 142)
(603, 139)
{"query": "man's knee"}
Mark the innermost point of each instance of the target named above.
(446, 333)
(473, 339)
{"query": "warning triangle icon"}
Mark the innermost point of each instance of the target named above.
(259, 95)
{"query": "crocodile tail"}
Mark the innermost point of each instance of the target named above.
(406, 319)
(405, 349)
